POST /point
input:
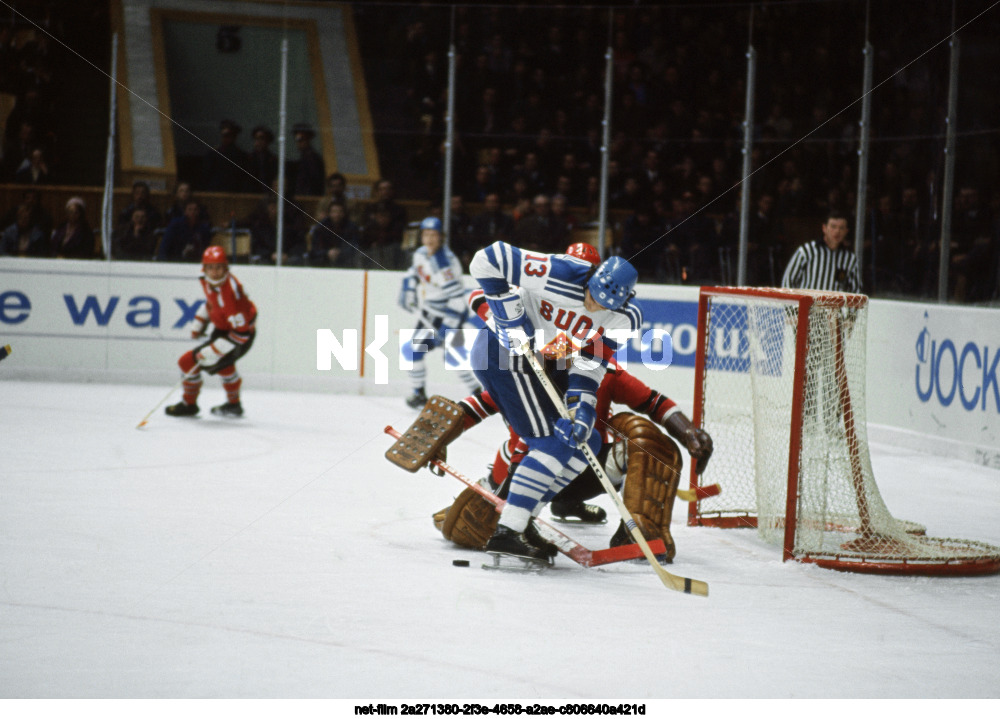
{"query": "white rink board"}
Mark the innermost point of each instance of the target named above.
(929, 401)
(916, 393)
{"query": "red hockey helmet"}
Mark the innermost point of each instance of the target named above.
(584, 251)
(214, 255)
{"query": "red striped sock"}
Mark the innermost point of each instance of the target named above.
(231, 382)
(192, 387)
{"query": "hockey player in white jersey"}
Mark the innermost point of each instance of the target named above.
(571, 312)
(433, 289)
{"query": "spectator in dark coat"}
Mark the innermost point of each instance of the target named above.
(135, 241)
(261, 163)
(334, 240)
(74, 239)
(492, 225)
(226, 165)
(310, 170)
(186, 237)
(141, 201)
(25, 237)
(540, 230)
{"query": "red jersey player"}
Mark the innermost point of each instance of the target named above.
(232, 315)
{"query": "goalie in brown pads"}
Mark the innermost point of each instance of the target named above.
(651, 463)
(644, 459)
(618, 387)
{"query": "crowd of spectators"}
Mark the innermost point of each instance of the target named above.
(28, 63)
(529, 107)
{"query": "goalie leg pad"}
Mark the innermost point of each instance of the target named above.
(438, 518)
(470, 521)
(653, 474)
(439, 422)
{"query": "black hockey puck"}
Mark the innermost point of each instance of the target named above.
(460, 562)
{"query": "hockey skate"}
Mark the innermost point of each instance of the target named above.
(416, 400)
(533, 536)
(182, 409)
(229, 409)
(577, 513)
(514, 552)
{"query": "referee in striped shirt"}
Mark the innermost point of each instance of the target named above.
(825, 264)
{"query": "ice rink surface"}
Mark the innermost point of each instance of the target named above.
(282, 556)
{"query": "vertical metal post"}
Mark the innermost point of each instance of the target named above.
(602, 211)
(861, 210)
(449, 142)
(745, 194)
(109, 161)
(282, 123)
(948, 187)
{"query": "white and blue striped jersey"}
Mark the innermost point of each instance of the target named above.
(437, 279)
(552, 290)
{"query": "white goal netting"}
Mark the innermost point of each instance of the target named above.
(781, 390)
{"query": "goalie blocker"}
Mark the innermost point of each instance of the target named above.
(439, 422)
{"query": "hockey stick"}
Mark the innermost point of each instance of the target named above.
(165, 398)
(564, 543)
(698, 493)
(670, 581)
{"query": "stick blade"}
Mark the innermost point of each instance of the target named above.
(698, 493)
(624, 553)
(695, 587)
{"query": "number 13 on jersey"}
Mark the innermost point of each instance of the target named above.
(536, 265)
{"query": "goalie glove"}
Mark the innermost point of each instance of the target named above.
(408, 294)
(697, 441)
(582, 406)
(211, 353)
(513, 328)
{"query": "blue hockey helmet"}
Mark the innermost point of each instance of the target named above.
(613, 281)
(431, 223)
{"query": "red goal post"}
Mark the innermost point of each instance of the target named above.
(780, 386)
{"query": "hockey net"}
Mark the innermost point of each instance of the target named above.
(780, 386)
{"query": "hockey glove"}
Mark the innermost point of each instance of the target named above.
(211, 353)
(696, 440)
(408, 294)
(198, 331)
(582, 407)
(513, 328)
